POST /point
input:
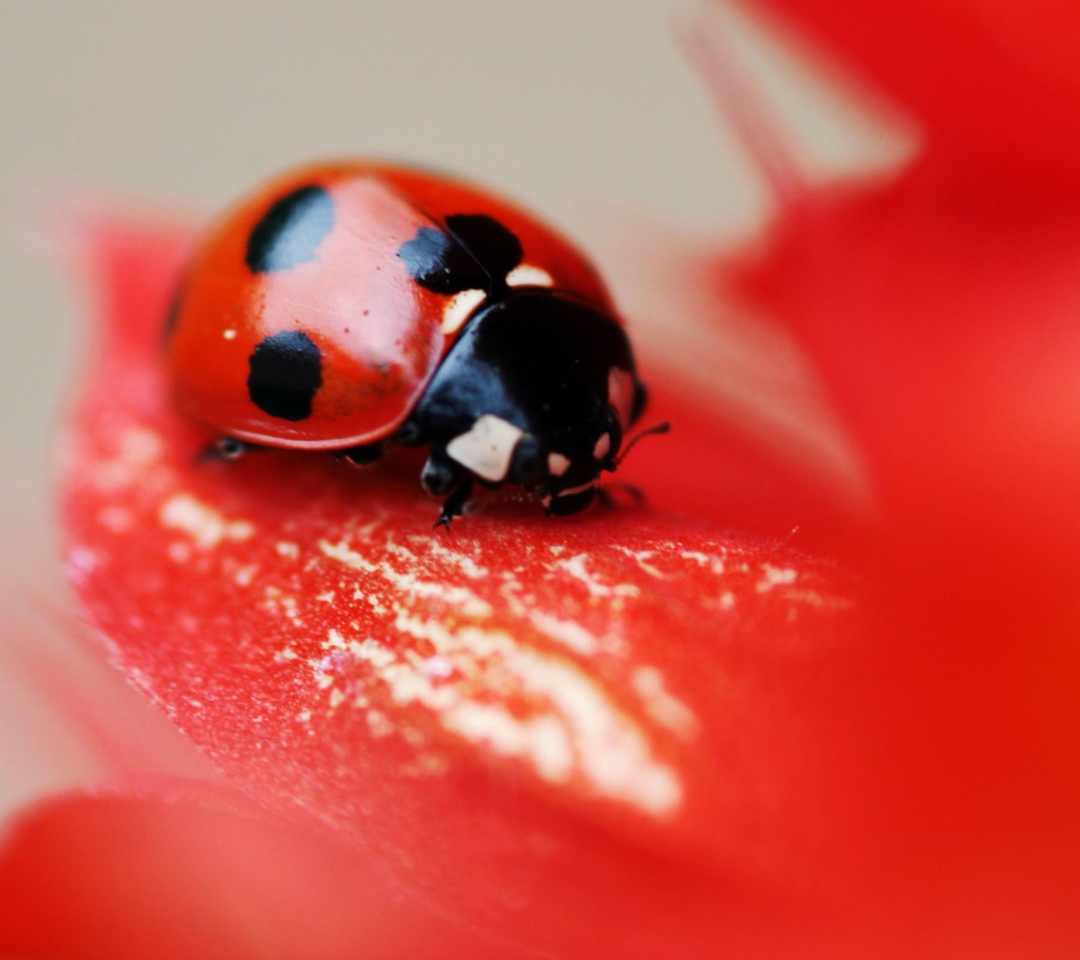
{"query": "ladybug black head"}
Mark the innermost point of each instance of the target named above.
(524, 397)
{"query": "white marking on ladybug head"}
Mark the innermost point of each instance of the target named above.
(459, 308)
(620, 389)
(603, 447)
(487, 448)
(558, 464)
(529, 276)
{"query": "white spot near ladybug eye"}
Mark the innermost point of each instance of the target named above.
(558, 464)
(529, 276)
(487, 448)
(459, 308)
(603, 447)
(229, 334)
(620, 388)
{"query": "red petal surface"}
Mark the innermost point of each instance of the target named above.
(994, 82)
(947, 331)
(942, 310)
(126, 878)
(588, 735)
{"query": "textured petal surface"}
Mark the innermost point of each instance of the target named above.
(947, 333)
(563, 731)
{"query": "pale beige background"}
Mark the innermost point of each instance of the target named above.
(579, 108)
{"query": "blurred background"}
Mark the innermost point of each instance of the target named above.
(585, 110)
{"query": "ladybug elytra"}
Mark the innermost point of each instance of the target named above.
(353, 305)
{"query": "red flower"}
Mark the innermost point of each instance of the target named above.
(629, 734)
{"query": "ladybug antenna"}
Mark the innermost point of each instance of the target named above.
(662, 427)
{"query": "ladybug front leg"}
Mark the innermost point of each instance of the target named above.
(454, 505)
(361, 456)
(443, 475)
(223, 449)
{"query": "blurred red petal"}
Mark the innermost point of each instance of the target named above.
(755, 445)
(519, 719)
(996, 85)
(940, 308)
(128, 878)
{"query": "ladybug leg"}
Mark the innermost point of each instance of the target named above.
(454, 505)
(224, 449)
(441, 474)
(605, 495)
(361, 456)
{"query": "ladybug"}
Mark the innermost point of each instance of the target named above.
(353, 305)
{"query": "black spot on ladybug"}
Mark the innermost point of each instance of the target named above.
(477, 254)
(494, 247)
(438, 263)
(291, 230)
(285, 374)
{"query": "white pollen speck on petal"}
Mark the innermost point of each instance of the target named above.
(245, 575)
(575, 566)
(229, 334)
(459, 308)
(558, 464)
(437, 667)
(116, 519)
(603, 447)
(202, 523)
(487, 448)
(529, 276)
(80, 563)
(664, 707)
(571, 634)
(775, 577)
(138, 449)
(570, 727)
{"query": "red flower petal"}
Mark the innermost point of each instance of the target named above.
(522, 719)
(996, 84)
(941, 309)
(129, 878)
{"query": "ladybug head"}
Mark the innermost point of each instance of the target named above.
(535, 392)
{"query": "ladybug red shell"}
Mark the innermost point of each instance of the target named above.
(350, 305)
